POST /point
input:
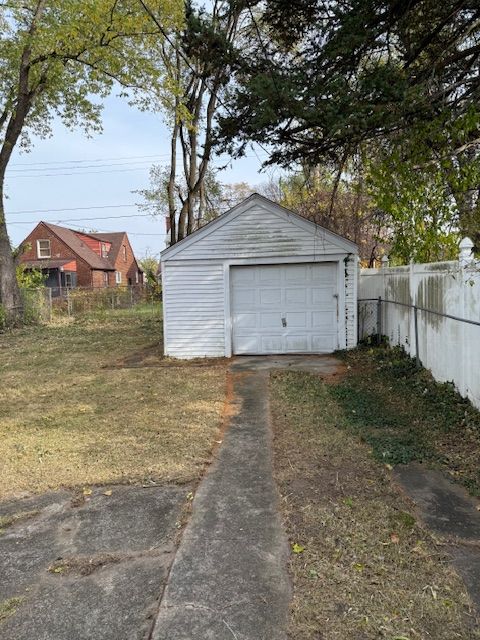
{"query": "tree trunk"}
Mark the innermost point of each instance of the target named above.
(10, 297)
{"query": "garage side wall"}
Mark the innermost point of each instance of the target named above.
(193, 308)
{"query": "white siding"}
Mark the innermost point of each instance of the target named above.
(351, 275)
(194, 308)
(258, 232)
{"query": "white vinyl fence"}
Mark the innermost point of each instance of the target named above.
(421, 307)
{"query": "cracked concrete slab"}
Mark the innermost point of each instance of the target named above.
(128, 537)
(448, 510)
(229, 579)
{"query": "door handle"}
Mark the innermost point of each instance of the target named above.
(284, 322)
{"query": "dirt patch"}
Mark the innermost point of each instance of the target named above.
(11, 519)
(362, 566)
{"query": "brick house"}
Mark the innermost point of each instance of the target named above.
(72, 258)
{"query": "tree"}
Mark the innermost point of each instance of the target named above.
(217, 196)
(54, 56)
(343, 207)
(428, 185)
(397, 83)
(333, 75)
(198, 58)
(150, 265)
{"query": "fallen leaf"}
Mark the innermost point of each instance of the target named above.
(297, 548)
(87, 491)
(394, 538)
(107, 493)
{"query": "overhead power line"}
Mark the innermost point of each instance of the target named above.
(77, 161)
(133, 215)
(102, 206)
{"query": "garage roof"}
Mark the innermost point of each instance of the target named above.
(258, 200)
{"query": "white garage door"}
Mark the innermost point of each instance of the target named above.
(289, 308)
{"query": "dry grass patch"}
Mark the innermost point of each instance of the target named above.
(363, 568)
(68, 419)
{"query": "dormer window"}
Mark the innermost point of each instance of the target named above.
(43, 249)
(104, 250)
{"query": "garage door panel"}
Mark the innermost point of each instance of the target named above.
(245, 321)
(297, 344)
(323, 344)
(271, 320)
(297, 319)
(323, 319)
(297, 273)
(270, 275)
(247, 344)
(271, 344)
(245, 298)
(296, 296)
(301, 294)
(323, 295)
(270, 296)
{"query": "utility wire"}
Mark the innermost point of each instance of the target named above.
(31, 164)
(133, 215)
(103, 206)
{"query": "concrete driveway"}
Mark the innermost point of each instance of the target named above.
(87, 567)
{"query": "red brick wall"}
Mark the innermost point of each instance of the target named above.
(128, 267)
(58, 250)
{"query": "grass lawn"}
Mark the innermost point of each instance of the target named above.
(362, 567)
(404, 415)
(93, 401)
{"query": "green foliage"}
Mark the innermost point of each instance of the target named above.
(405, 415)
(3, 317)
(429, 199)
(30, 278)
(77, 49)
(150, 266)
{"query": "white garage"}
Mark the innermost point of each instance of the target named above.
(259, 280)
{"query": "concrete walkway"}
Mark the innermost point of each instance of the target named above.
(229, 580)
(448, 510)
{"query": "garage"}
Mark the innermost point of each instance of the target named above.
(259, 279)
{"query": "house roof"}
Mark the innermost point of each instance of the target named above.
(246, 204)
(115, 238)
(83, 251)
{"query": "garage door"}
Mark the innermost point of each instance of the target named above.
(284, 308)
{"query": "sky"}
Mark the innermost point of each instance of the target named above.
(100, 174)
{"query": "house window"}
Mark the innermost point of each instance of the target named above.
(118, 277)
(68, 280)
(43, 249)
(104, 250)
(124, 253)
(136, 277)
(105, 278)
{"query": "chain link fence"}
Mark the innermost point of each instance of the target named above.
(45, 304)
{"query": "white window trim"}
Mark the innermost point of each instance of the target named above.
(39, 256)
(118, 277)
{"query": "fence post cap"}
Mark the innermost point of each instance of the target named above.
(466, 243)
(466, 251)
